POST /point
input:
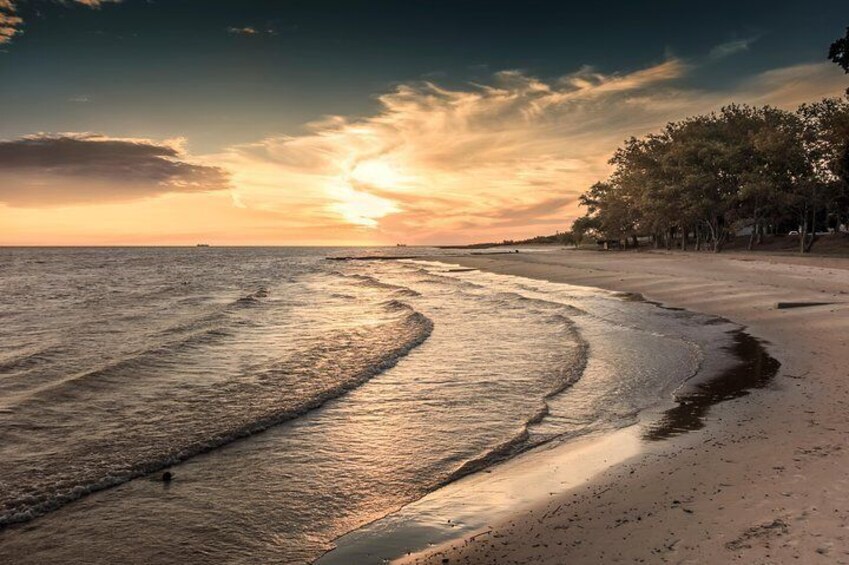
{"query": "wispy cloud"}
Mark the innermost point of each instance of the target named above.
(730, 48)
(249, 31)
(11, 24)
(501, 159)
(49, 170)
(436, 159)
(96, 3)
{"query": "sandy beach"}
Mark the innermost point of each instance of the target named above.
(764, 482)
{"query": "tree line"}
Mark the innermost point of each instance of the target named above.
(702, 180)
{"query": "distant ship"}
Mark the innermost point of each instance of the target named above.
(400, 245)
(203, 245)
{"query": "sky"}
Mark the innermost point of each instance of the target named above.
(247, 122)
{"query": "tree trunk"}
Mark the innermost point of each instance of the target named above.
(753, 235)
(716, 234)
(813, 238)
(803, 232)
(719, 241)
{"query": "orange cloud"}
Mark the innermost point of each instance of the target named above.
(435, 160)
(504, 159)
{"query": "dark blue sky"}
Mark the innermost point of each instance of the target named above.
(165, 68)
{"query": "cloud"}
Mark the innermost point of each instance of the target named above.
(789, 87)
(51, 170)
(249, 31)
(96, 3)
(242, 30)
(503, 158)
(507, 158)
(730, 48)
(11, 23)
(508, 154)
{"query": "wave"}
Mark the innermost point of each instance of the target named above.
(25, 361)
(515, 297)
(252, 298)
(372, 282)
(191, 420)
(521, 441)
(136, 360)
(202, 329)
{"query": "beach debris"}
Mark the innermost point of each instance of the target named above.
(167, 476)
(776, 528)
(788, 305)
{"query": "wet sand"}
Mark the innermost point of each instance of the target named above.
(765, 481)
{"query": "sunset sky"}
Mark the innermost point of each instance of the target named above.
(361, 122)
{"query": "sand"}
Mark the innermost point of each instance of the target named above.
(766, 481)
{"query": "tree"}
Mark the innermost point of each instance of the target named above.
(826, 138)
(611, 209)
(712, 174)
(780, 176)
(583, 227)
(707, 158)
(647, 191)
(839, 52)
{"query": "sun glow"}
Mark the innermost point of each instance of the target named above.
(359, 208)
(380, 174)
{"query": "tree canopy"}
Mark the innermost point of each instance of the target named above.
(839, 52)
(707, 177)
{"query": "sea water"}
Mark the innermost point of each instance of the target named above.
(294, 399)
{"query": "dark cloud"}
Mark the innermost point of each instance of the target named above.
(50, 170)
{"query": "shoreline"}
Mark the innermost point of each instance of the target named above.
(472, 501)
(468, 505)
(522, 483)
(764, 482)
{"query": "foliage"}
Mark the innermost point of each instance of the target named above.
(708, 176)
(839, 52)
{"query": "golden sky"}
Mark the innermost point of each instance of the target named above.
(502, 159)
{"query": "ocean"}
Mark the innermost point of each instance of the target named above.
(295, 399)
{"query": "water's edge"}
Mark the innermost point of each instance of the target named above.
(754, 368)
